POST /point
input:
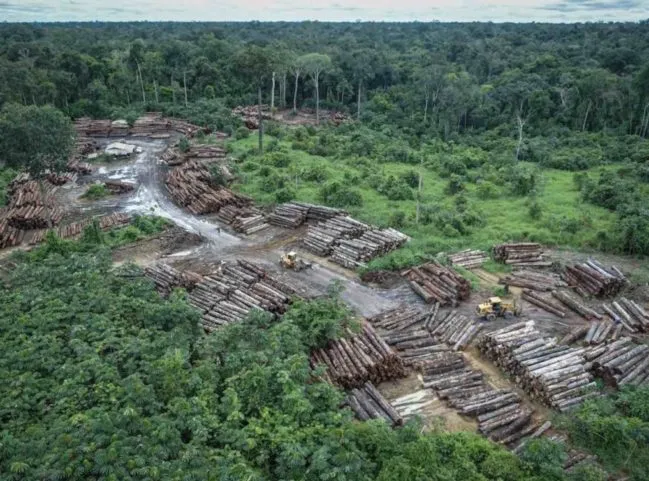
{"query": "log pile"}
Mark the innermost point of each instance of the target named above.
(456, 330)
(576, 306)
(353, 253)
(190, 186)
(119, 187)
(10, 236)
(368, 403)
(152, 125)
(321, 238)
(500, 414)
(621, 363)
(533, 280)
(521, 254)
(543, 302)
(166, 278)
(593, 279)
(435, 282)
(249, 114)
(208, 153)
(353, 360)
(595, 333)
(468, 258)
(413, 404)
(231, 293)
(629, 314)
(246, 220)
(118, 219)
(404, 329)
(294, 214)
(554, 374)
(74, 230)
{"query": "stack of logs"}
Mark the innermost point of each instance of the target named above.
(593, 279)
(468, 258)
(555, 374)
(75, 229)
(246, 220)
(500, 414)
(232, 292)
(368, 403)
(119, 187)
(454, 329)
(353, 253)
(249, 114)
(544, 302)
(576, 306)
(629, 314)
(294, 214)
(353, 360)
(152, 125)
(166, 278)
(521, 254)
(404, 329)
(621, 362)
(320, 239)
(190, 186)
(537, 281)
(27, 209)
(435, 282)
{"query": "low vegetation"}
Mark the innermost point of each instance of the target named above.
(96, 192)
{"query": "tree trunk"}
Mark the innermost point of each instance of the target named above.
(261, 120)
(521, 124)
(297, 80)
(173, 90)
(645, 121)
(141, 82)
(317, 98)
(421, 165)
(358, 102)
(155, 88)
(185, 86)
(583, 125)
(272, 95)
(426, 108)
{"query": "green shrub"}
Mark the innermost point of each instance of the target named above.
(284, 195)
(272, 183)
(184, 145)
(336, 195)
(242, 133)
(279, 159)
(523, 179)
(397, 219)
(316, 173)
(487, 190)
(96, 191)
(455, 185)
(535, 211)
(411, 178)
(451, 166)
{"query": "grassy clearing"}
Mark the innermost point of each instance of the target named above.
(561, 218)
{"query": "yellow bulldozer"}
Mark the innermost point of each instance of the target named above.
(290, 261)
(496, 307)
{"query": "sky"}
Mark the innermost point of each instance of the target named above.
(325, 10)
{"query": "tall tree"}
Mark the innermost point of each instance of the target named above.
(36, 139)
(315, 64)
(255, 63)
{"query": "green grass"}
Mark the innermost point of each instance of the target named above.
(565, 220)
(96, 191)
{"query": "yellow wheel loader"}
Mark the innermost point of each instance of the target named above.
(290, 261)
(496, 307)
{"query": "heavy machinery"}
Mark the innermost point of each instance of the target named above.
(496, 307)
(290, 261)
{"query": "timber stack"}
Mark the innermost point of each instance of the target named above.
(166, 278)
(500, 414)
(591, 278)
(576, 306)
(190, 186)
(454, 329)
(119, 187)
(528, 254)
(249, 114)
(404, 329)
(353, 360)
(321, 238)
(435, 282)
(246, 220)
(554, 374)
(293, 214)
(468, 258)
(353, 253)
(152, 125)
(595, 333)
(621, 363)
(74, 230)
(236, 289)
(368, 403)
(533, 280)
(544, 302)
(10, 236)
(414, 404)
(629, 314)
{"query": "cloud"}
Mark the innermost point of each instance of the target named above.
(325, 10)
